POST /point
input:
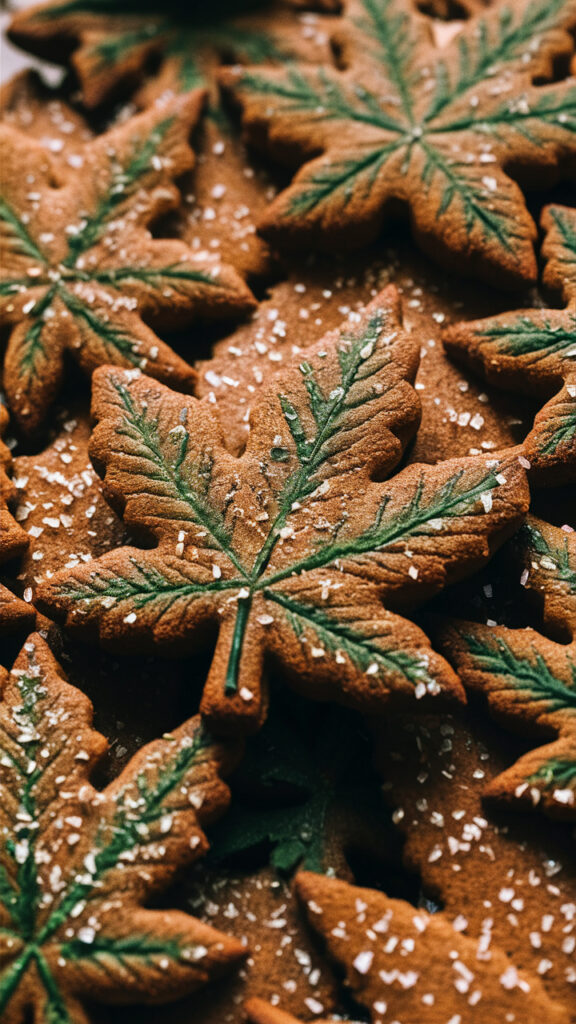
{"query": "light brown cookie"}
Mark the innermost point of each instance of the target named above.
(295, 552)
(81, 272)
(400, 122)
(78, 864)
(534, 351)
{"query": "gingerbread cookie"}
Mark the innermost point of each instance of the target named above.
(530, 681)
(78, 864)
(460, 414)
(434, 129)
(14, 613)
(534, 350)
(259, 1012)
(306, 794)
(501, 879)
(405, 964)
(293, 551)
(81, 272)
(60, 504)
(112, 45)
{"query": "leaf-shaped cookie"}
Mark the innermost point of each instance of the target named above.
(295, 551)
(80, 271)
(14, 613)
(112, 41)
(406, 965)
(534, 350)
(77, 865)
(530, 681)
(437, 129)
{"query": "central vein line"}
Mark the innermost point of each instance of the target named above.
(231, 681)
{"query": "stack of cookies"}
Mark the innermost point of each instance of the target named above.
(287, 513)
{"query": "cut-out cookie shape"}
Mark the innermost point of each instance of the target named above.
(14, 613)
(530, 681)
(534, 350)
(259, 1012)
(110, 44)
(77, 865)
(80, 270)
(407, 965)
(295, 551)
(434, 128)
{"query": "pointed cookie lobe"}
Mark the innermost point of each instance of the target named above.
(436, 129)
(295, 552)
(81, 272)
(77, 865)
(14, 613)
(404, 964)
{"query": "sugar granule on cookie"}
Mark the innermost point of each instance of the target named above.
(14, 613)
(530, 681)
(77, 864)
(534, 350)
(81, 272)
(295, 552)
(110, 44)
(401, 120)
(404, 964)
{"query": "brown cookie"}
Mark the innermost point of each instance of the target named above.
(60, 504)
(530, 681)
(502, 880)
(534, 351)
(81, 271)
(405, 964)
(14, 613)
(111, 49)
(401, 121)
(78, 864)
(461, 415)
(293, 552)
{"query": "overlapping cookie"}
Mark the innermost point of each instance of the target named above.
(530, 681)
(112, 45)
(81, 272)
(534, 350)
(401, 121)
(405, 964)
(77, 864)
(294, 551)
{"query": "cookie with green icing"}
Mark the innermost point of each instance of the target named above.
(78, 865)
(81, 272)
(534, 351)
(529, 681)
(296, 552)
(111, 44)
(14, 613)
(400, 122)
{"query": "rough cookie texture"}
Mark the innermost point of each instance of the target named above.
(529, 680)
(80, 269)
(13, 540)
(402, 963)
(294, 549)
(110, 44)
(437, 129)
(534, 350)
(77, 864)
